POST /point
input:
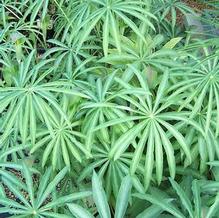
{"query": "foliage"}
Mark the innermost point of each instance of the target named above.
(108, 109)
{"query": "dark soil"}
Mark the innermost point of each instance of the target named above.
(197, 5)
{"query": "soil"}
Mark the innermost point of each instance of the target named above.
(196, 5)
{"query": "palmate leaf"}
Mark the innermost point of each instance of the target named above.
(142, 53)
(65, 142)
(156, 132)
(109, 13)
(126, 93)
(69, 16)
(204, 146)
(202, 90)
(38, 200)
(101, 107)
(66, 56)
(29, 100)
(111, 171)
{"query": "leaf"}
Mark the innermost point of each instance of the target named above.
(115, 31)
(17, 192)
(197, 198)
(183, 197)
(149, 161)
(125, 140)
(158, 156)
(100, 197)
(106, 35)
(150, 212)
(122, 198)
(78, 211)
(52, 185)
(29, 182)
(214, 208)
(179, 138)
(161, 90)
(162, 203)
(66, 199)
(168, 150)
(172, 43)
(138, 151)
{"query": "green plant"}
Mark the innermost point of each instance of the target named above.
(170, 8)
(152, 124)
(27, 92)
(189, 201)
(100, 200)
(120, 87)
(35, 201)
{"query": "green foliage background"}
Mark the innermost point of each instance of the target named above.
(109, 108)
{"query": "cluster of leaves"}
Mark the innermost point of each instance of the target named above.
(117, 89)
